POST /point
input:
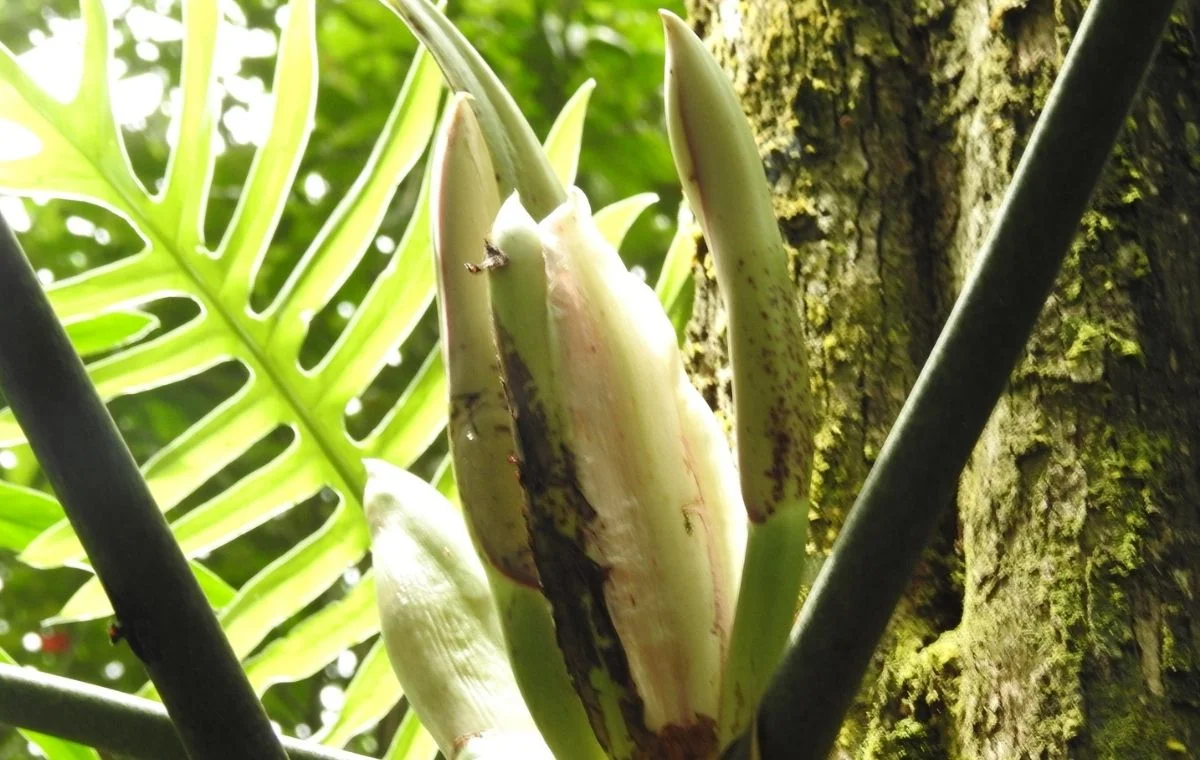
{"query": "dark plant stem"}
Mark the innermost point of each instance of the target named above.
(109, 720)
(913, 481)
(162, 612)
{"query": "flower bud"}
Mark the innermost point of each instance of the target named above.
(725, 185)
(438, 620)
(481, 438)
(637, 524)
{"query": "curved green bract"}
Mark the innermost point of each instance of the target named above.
(519, 159)
(725, 185)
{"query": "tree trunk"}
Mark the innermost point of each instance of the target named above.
(1056, 614)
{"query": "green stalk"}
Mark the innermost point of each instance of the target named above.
(164, 614)
(521, 164)
(109, 720)
(913, 481)
(725, 185)
(481, 438)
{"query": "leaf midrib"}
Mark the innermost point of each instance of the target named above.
(135, 207)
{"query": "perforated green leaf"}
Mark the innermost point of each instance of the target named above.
(372, 692)
(82, 157)
(318, 639)
(105, 332)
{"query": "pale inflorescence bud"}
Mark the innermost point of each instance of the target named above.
(440, 625)
(637, 523)
(465, 202)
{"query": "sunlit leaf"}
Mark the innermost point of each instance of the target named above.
(372, 692)
(566, 135)
(615, 219)
(105, 332)
(317, 640)
(24, 513)
(82, 156)
(78, 152)
(412, 741)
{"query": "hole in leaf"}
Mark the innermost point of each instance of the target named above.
(17, 142)
(329, 322)
(397, 373)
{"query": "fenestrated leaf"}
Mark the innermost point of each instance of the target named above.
(372, 692)
(179, 468)
(318, 639)
(295, 579)
(276, 162)
(82, 156)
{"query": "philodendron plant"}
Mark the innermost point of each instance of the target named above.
(618, 588)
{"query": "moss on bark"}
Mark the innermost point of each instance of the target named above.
(1056, 615)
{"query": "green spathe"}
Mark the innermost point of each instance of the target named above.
(725, 185)
(465, 203)
(638, 526)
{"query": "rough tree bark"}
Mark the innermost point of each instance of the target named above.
(1057, 614)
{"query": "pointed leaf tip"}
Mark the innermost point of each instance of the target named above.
(376, 468)
(563, 142)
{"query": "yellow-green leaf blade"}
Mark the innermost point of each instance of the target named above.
(89, 601)
(178, 469)
(184, 352)
(418, 417)
(105, 332)
(127, 282)
(566, 135)
(189, 172)
(278, 159)
(372, 692)
(318, 639)
(412, 741)
(388, 314)
(348, 232)
(289, 583)
(266, 493)
(615, 219)
(24, 513)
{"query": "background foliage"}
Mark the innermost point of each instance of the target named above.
(542, 51)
